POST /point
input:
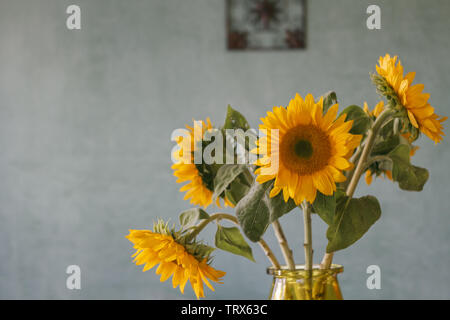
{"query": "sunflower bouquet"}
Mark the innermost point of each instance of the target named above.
(305, 155)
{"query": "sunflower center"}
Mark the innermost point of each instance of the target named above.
(305, 149)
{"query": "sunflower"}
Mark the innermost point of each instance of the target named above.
(182, 261)
(200, 188)
(414, 101)
(311, 149)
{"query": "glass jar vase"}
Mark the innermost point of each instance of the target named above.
(299, 284)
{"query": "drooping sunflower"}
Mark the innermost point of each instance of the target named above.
(200, 176)
(310, 152)
(420, 112)
(182, 261)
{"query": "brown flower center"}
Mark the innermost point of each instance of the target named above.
(305, 149)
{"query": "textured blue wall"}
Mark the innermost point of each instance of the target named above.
(86, 118)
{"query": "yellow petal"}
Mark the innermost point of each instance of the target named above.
(167, 269)
(336, 174)
(412, 119)
(274, 192)
(330, 116)
(322, 183)
(293, 184)
(205, 280)
(341, 163)
(368, 177)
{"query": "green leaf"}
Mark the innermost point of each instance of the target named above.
(231, 240)
(190, 217)
(409, 177)
(387, 130)
(253, 213)
(278, 207)
(417, 179)
(353, 219)
(231, 197)
(325, 206)
(329, 99)
(385, 146)
(257, 210)
(361, 122)
(235, 120)
(236, 191)
(225, 176)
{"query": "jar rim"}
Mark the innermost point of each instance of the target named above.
(300, 270)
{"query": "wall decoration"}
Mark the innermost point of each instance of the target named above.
(266, 24)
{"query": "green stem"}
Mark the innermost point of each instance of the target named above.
(204, 223)
(353, 159)
(326, 261)
(287, 252)
(396, 124)
(268, 252)
(307, 245)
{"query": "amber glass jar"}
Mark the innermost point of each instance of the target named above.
(300, 284)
